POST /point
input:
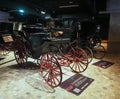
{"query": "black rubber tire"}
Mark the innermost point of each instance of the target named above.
(99, 51)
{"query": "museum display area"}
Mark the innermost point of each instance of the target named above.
(59, 49)
(23, 83)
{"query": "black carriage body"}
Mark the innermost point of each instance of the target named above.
(33, 38)
(38, 44)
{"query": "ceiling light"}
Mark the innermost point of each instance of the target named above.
(70, 2)
(68, 6)
(21, 11)
(42, 12)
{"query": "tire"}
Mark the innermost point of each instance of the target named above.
(99, 51)
(89, 54)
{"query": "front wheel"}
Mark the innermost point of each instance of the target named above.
(50, 70)
(4, 49)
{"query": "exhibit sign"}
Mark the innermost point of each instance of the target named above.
(76, 84)
(103, 64)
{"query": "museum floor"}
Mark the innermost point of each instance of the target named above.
(15, 81)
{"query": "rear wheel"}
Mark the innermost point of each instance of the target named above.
(99, 51)
(20, 57)
(53, 49)
(20, 52)
(79, 60)
(89, 53)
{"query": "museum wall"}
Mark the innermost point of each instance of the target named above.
(114, 27)
(4, 17)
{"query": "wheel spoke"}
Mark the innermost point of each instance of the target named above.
(79, 67)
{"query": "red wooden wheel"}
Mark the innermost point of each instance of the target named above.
(79, 60)
(50, 70)
(20, 52)
(4, 49)
(20, 57)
